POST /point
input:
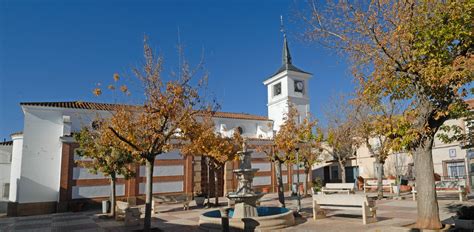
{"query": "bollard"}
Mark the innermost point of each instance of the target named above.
(225, 219)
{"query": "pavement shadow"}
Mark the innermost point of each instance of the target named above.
(356, 216)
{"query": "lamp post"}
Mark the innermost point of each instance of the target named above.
(208, 204)
(298, 197)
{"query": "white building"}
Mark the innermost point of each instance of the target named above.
(451, 161)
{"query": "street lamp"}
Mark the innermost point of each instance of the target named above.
(208, 161)
(298, 197)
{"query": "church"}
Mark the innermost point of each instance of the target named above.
(43, 176)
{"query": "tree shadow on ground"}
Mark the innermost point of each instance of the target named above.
(157, 225)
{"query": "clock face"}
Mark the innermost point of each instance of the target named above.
(299, 86)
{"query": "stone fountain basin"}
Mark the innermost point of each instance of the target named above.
(269, 218)
(248, 170)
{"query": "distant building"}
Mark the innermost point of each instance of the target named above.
(451, 161)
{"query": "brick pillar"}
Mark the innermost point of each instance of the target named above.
(228, 177)
(65, 182)
(189, 174)
(196, 167)
(132, 186)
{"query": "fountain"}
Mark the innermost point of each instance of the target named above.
(246, 214)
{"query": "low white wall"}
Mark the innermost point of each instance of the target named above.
(79, 192)
(163, 187)
(262, 180)
(263, 167)
(164, 170)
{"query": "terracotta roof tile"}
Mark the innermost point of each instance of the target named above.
(108, 106)
(239, 116)
(470, 102)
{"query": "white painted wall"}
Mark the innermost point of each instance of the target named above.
(5, 164)
(41, 159)
(251, 128)
(262, 180)
(79, 192)
(15, 174)
(163, 187)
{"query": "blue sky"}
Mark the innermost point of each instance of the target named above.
(59, 50)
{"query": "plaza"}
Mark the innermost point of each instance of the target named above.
(96, 138)
(392, 215)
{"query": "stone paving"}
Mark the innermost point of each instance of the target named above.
(392, 216)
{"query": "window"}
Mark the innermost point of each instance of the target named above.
(6, 190)
(277, 89)
(455, 169)
(240, 130)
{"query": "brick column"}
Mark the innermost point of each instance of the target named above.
(132, 185)
(196, 167)
(228, 177)
(65, 182)
(189, 170)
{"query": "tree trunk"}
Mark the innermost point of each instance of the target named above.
(342, 166)
(112, 194)
(281, 195)
(427, 204)
(149, 194)
(379, 168)
(216, 187)
(305, 183)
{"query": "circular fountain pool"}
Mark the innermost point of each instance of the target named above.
(268, 218)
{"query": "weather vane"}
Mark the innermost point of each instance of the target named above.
(282, 28)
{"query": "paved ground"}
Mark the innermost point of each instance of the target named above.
(392, 215)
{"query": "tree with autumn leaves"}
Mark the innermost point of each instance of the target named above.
(340, 137)
(104, 156)
(203, 140)
(376, 121)
(295, 136)
(165, 119)
(416, 52)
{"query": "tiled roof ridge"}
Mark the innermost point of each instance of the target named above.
(111, 106)
(6, 143)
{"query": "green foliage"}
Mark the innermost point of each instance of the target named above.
(105, 158)
(303, 138)
(317, 184)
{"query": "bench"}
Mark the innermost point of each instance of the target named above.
(372, 184)
(447, 186)
(338, 188)
(130, 214)
(345, 202)
(184, 199)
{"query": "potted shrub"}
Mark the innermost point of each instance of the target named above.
(464, 218)
(405, 188)
(199, 197)
(317, 185)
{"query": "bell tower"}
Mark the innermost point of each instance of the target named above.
(288, 85)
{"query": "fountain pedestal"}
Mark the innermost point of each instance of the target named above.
(243, 210)
(245, 198)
